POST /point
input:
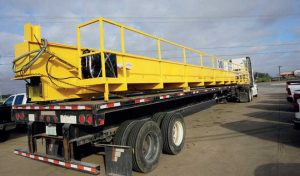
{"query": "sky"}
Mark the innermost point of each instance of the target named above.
(267, 31)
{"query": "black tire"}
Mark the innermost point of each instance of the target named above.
(145, 131)
(4, 135)
(123, 132)
(158, 117)
(170, 121)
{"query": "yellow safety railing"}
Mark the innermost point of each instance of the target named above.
(240, 71)
(159, 40)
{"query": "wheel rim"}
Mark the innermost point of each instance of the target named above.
(177, 133)
(148, 147)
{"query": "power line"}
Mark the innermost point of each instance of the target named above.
(152, 17)
(135, 19)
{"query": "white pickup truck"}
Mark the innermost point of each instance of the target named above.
(297, 109)
(291, 87)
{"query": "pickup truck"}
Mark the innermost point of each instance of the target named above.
(6, 123)
(291, 87)
(296, 104)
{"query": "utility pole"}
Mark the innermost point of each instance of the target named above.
(279, 71)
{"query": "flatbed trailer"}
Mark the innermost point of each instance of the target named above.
(141, 106)
(93, 122)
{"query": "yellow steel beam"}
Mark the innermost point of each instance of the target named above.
(134, 72)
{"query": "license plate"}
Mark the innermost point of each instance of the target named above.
(51, 130)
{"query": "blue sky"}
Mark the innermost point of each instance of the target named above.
(267, 31)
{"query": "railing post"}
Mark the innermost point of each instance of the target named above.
(201, 59)
(122, 39)
(185, 70)
(106, 89)
(160, 63)
(184, 55)
(158, 49)
(123, 50)
(79, 51)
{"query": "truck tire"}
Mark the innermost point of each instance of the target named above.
(123, 132)
(146, 142)
(173, 132)
(158, 117)
(4, 135)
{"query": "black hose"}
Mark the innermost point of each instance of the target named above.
(35, 58)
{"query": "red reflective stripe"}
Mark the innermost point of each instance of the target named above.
(74, 107)
(110, 105)
(62, 107)
(93, 170)
(55, 161)
(35, 157)
(27, 154)
(51, 107)
(80, 167)
(68, 165)
(143, 100)
(45, 159)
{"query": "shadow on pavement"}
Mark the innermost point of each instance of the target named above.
(276, 169)
(284, 117)
(19, 132)
(285, 108)
(282, 133)
(277, 96)
(275, 102)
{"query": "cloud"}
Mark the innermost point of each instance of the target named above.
(194, 23)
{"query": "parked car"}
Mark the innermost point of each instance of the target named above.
(6, 123)
(296, 104)
(291, 87)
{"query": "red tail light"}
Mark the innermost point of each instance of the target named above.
(48, 118)
(55, 118)
(101, 122)
(21, 116)
(90, 119)
(81, 119)
(17, 116)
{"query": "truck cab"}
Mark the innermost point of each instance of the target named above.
(6, 123)
(247, 66)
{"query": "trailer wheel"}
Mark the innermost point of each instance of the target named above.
(173, 131)
(146, 142)
(158, 117)
(123, 132)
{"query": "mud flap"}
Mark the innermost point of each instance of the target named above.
(118, 160)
